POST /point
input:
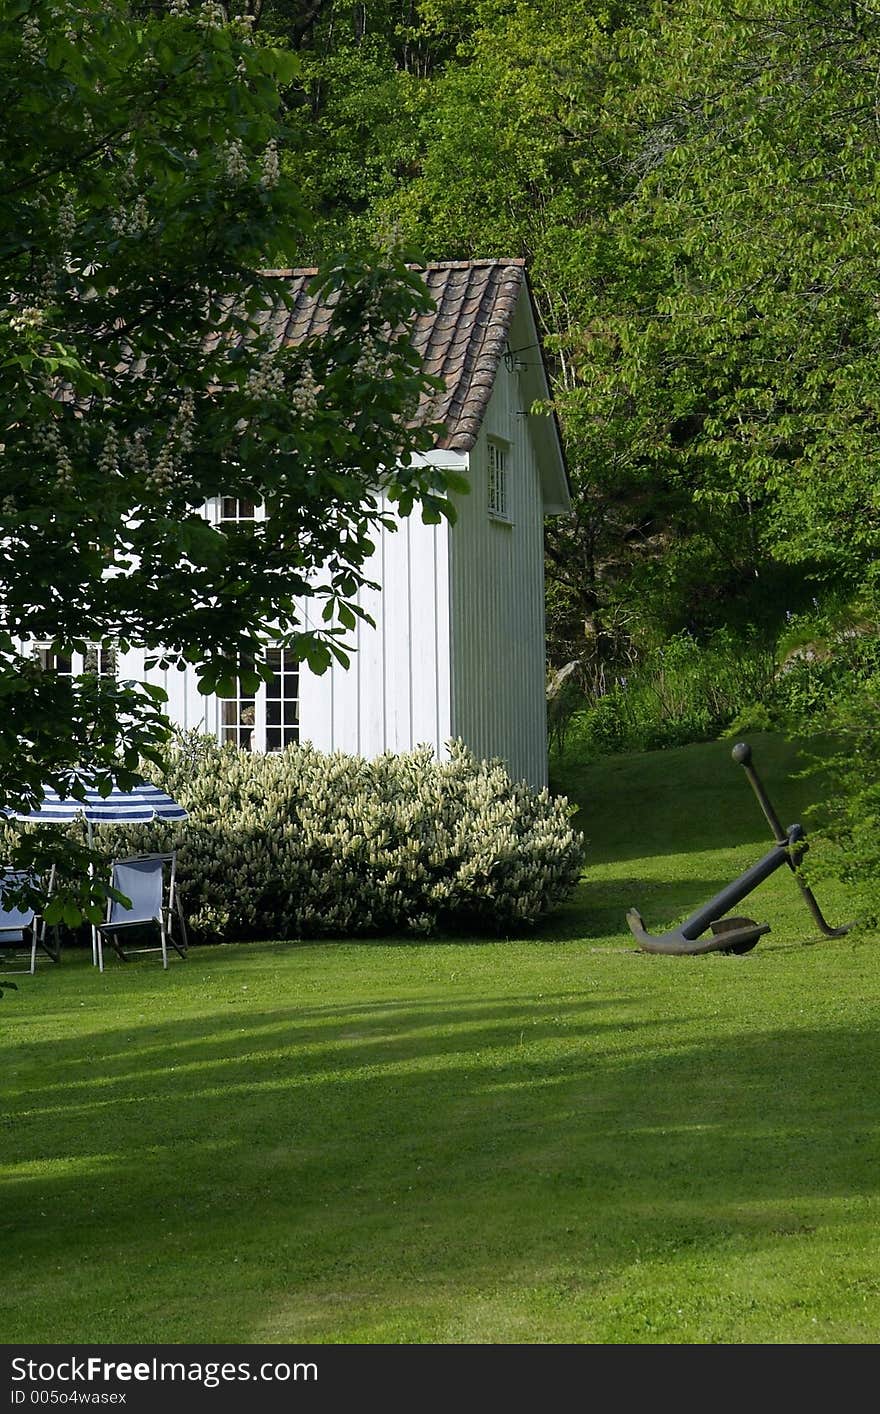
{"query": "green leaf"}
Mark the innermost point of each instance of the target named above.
(283, 64)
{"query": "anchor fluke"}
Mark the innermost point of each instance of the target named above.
(737, 935)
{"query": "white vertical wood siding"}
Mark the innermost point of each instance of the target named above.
(396, 693)
(497, 600)
(186, 706)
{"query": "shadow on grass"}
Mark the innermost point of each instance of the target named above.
(135, 1065)
(397, 1141)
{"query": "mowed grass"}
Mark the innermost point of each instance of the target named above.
(536, 1141)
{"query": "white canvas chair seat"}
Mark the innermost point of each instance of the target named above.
(149, 881)
(23, 931)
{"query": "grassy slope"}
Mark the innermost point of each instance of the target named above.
(559, 1140)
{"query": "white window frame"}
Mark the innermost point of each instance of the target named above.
(101, 660)
(215, 511)
(47, 658)
(237, 715)
(106, 667)
(254, 710)
(498, 479)
(288, 724)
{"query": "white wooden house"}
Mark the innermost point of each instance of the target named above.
(458, 647)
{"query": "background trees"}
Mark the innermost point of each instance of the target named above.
(695, 195)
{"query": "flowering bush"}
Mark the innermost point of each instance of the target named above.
(301, 844)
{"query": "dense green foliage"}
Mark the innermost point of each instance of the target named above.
(302, 844)
(140, 194)
(690, 690)
(694, 193)
(851, 761)
(681, 692)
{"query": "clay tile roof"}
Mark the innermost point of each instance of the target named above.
(462, 340)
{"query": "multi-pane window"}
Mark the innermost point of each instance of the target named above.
(238, 718)
(52, 662)
(268, 719)
(498, 491)
(282, 700)
(236, 509)
(99, 659)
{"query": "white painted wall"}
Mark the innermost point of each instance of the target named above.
(396, 693)
(459, 644)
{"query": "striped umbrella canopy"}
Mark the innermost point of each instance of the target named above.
(139, 805)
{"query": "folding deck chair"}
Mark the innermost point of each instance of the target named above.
(150, 882)
(15, 922)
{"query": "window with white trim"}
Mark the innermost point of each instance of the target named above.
(52, 661)
(499, 502)
(236, 510)
(238, 717)
(267, 719)
(282, 700)
(99, 658)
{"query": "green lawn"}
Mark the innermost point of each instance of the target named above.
(554, 1140)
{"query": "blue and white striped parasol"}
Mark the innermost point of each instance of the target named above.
(137, 806)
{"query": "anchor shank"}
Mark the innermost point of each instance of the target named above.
(747, 881)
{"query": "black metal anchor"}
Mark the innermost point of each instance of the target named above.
(737, 935)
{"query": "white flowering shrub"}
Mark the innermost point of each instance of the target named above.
(301, 844)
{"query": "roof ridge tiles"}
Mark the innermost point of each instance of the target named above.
(484, 262)
(489, 261)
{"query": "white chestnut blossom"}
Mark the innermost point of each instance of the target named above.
(270, 170)
(304, 397)
(48, 439)
(267, 379)
(183, 426)
(108, 460)
(134, 449)
(65, 220)
(132, 220)
(371, 360)
(210, 15)
(28, 317)
(235, 163)
(32, 45)
(64, 467)
(161, 475)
